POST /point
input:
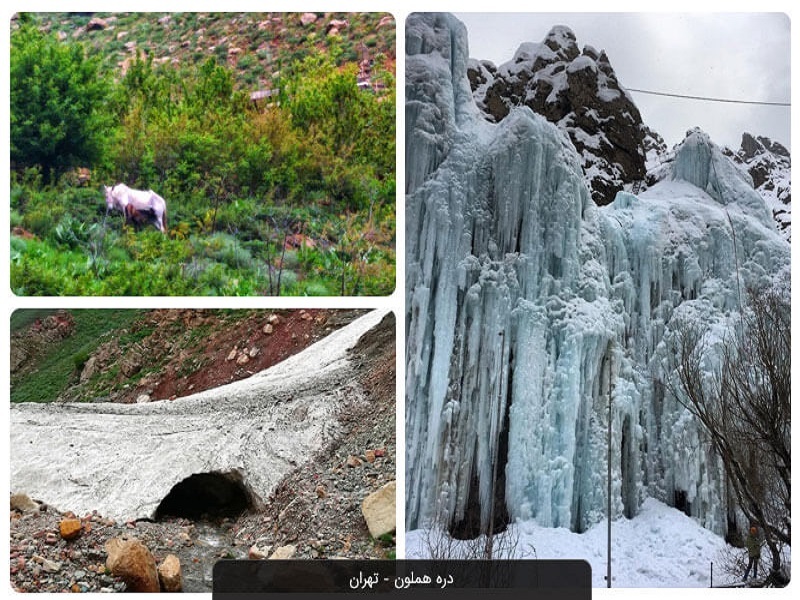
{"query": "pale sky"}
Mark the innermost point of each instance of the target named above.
(742, 56)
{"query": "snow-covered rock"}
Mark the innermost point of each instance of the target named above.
(577, 90)
(769, 164)
(529, 309)
(655, 148)
(765, 165)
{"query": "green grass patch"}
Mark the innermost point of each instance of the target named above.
(60, 366)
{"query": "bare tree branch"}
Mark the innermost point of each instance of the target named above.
(743, 404)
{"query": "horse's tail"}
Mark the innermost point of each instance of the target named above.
(164, 219)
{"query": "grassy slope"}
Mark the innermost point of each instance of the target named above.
(58, 367)
(21, 319)
(255, 46)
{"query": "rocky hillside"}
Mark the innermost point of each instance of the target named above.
(577, 90)
(138, 356)
(257, 45)
(769, 164)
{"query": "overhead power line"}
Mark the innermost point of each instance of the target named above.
(708, 99)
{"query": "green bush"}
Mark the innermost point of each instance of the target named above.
(17, 196)
(15, 219)
(316, 288)
(39, 221)
(59, 102)
(226, 249)
(80, 360)
(71, 233)
(246, 62)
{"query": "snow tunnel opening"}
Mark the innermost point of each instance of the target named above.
(207, 496)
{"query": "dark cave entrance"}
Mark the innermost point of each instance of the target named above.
(207, 496)
(681, 502)
(470, 526)
(627, 467)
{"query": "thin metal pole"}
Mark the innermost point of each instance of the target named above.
(610, 397)
(489, 548)
(608, 567)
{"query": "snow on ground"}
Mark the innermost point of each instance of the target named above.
(660, 547)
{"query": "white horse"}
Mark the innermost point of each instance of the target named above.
(138, 206)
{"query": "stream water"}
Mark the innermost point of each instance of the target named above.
(212, 543)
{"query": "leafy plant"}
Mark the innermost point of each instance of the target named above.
(59, 102)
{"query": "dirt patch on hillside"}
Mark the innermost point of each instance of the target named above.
(167, 354)
(245, 347)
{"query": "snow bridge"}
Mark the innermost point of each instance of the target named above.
(214, 453)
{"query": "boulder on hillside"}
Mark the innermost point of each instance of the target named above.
(96, 24)
(133, 563)
(170, 574)
(379, 510)
(308, 18)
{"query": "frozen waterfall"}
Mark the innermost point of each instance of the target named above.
(529, 309)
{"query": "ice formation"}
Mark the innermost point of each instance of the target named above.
(529, 309)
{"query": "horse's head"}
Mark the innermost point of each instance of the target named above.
(117, 197)
(109, 197)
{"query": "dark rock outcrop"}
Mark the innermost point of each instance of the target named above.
(578, 91)
(769, 164)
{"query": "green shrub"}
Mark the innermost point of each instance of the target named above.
(316, 288)
(245, 62)
(288, 281)
(71, 233)
(15, 218)
(80, 360)
(226, 249)
(39, 221)
(18, 248)
(60, 113)
(17, 196)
